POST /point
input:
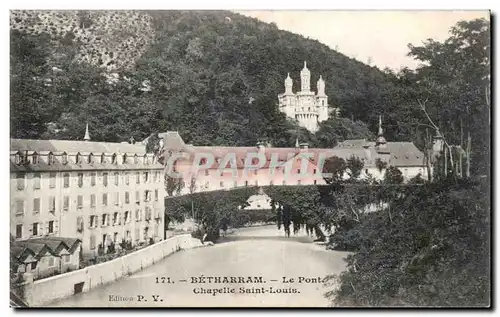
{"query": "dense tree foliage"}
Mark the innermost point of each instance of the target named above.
(215, 81)
(433, 249)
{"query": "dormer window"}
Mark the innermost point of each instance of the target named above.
(136, 159)
(124, 158)
(103, 158)
(35, 158)
(51, 158)
(78, 158)
(113, 159)
(145, 159)
(91, 158)
(65, 158)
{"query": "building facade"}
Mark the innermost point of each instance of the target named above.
(299, 165)
(98, 192)
(306, 106)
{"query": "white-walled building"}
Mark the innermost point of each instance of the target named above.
(306, 106)
(98, 192)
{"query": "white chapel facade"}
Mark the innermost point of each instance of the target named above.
(306, 106)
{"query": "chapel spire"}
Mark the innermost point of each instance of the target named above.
(87, 134)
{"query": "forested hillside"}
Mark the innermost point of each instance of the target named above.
(214, 76)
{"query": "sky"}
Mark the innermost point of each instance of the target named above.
(381, 37)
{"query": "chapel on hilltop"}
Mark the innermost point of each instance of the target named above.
(306, 106)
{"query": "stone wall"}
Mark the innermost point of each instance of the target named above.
(42, 292)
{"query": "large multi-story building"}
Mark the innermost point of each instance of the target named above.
(299, 165)
(306, 106)
(99, 192)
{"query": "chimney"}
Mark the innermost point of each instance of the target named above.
(87, 135)
(261, 146)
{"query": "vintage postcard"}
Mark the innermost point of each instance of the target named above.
(250, 158)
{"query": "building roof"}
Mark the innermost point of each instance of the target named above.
(396, 153)
(39, 246)
(74, 146)
(84, 148)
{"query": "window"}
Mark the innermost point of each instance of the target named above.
(36, 205)
(147, 195)
(137, 178)
(298, 182)
(235, 183)
(19, 231)
(65, 158)
(206, 172)
(117, 198)
(147, 215)
(126, 178)
(78, 159)
(52, 204)
(80, 179)
(66, 180)
(20, 181)
(115, 237)
(115, 219)
(103, 158)
(33, 265)
(155, 177)
(35, 229)
(93, 221)
(246, 183)
(66, 258)
(92, 179)
(36, 179)
(366, 171)
(105, 199)
(137, 197)
(66, 203)
(138, 215)
(124, 158)
(104, 220)
(315, 182)
(156, 194)
(91, 158)
(136, 159)
(79, 201)
(92, 200)
(51, 226)
(105, 179)
(314, 171)
(79, 224)
(221, 184)
(127, 197)
(137, 233)
(52, 180)
(255, 172)
(298, 171)
(271, 183)
(113, 159)
(117, 179)
(146, 161)
(35, 159)
(126, 217)
(92, 242)
(145, 177)
(20, 207)
(51, 261)
(256, 183)
(51, 158)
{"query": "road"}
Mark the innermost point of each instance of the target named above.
(258, 252)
